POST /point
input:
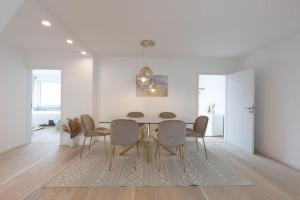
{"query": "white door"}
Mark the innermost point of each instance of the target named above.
(240, 109)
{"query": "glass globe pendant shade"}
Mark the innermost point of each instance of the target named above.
(145, 76)
(146, 72)
(152, 88)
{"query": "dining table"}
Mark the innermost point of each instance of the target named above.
(146, 135)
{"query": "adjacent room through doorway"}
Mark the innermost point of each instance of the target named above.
(212, 102)
(46, 106)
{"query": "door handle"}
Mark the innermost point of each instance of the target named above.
(251, 109)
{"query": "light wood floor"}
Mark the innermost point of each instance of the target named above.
(23, 171)
(46, 135)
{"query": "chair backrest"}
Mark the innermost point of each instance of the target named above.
(124, 132)
(87, 123)
(135, 114)
(172, 132)
(167, 115)
(201, 125)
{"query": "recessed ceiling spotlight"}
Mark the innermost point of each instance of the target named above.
(46, 23)
(69, 41)
(83, 53)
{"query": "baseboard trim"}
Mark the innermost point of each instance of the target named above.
(285, 163)
(12, 149)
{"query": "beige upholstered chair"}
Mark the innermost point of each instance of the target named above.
(135, 115)
(142, 126)
(91, 131)
(171, 133)
(199, 131)
(123, 132)
(167, 115)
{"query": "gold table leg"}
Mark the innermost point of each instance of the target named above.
(165, 147)
(148, 148)
(133, 145)
(127, 149)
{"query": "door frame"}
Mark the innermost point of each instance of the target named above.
(29, 102)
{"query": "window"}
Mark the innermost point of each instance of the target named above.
(46, 90)
(50, 94)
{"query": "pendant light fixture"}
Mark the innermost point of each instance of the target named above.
(145, 75)
(152, 88)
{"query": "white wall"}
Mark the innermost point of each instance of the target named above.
(278, 100)
(7, 10)
(117, 87)
(12, 97)
(77, 80)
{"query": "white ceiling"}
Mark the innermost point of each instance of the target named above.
(7, 9)
(25, 30)
(190, 28)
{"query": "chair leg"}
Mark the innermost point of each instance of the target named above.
(197, 144)
(106, 154)
(134, 160)
(82, 147)
(183, 157)
(90, 143)
(204, 147)
(111, 157)
(176, 149)
(113, 150)
(158, 147)
(145, 142)
(137, 149)
(180, 152)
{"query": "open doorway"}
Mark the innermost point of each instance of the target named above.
(212, 103)
(46, 106)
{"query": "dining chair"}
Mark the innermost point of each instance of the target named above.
(171, 133)
(198, 131)
(135, 114)
(142, 126)
(167, 115)
(124, 132)
(91, 131)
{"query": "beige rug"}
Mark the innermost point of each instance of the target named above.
(92, 171)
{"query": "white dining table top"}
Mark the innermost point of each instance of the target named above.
(149, 120)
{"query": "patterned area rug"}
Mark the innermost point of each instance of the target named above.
(93, 170)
